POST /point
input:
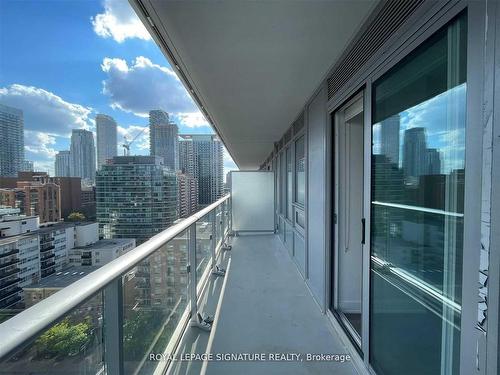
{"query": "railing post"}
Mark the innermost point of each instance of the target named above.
(213, 244)
(192, 271)
(230, 216)
(223, 234)
(113, 327)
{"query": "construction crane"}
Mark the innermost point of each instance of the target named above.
(126, 145)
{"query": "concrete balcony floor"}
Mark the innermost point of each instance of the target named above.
(264, 307)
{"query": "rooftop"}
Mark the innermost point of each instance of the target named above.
(10, 239)
(45, 227)
(107, 244)
(63, 278)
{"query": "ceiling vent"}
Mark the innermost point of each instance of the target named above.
(390, 17)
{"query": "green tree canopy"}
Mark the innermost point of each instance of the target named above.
(64, 338)
(76, 216)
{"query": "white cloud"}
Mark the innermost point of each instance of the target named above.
(141, 143)
(119, 22)
(38, 146)
(229, 164)
(44, 111)
(192, 119)
(143, 86)
(44, 166)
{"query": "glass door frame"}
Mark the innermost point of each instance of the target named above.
(363, 92)
(432, 17)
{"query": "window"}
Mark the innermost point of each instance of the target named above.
(289, 183)
(418, 160)
(300, 172)
(283, 183)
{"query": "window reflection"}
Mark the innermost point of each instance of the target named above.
(418, 161)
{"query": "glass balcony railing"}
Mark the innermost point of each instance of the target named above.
(109, 321)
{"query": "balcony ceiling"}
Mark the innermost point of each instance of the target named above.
(254, 64)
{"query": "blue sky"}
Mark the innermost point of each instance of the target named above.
(62, 62)
(443, 117)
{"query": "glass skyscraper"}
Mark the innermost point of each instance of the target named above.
(106, 138)
(136, 197)
(11, 140)
(202, 156)
(62, 164)
(82, 154)
(163, 139)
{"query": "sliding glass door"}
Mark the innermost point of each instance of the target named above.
(417, 208)
(348, 220)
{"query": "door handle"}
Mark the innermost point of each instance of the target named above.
(363, 224)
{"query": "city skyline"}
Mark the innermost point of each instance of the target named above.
(99, 66)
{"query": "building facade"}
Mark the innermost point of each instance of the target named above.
(19, 255)
(163, 139)
(106, 138)
(203, 156)
(83, 163)
(88, 206)
(70, 194)
(187, 195)
(62, 164)
(11, 140)
(100, 252)
(38, 197)
(136, 197)
(19, 266)
(27, 166)
(30, 252)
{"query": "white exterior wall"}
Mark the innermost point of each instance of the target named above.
(101, 254)
(70, 237)
(86, 234)
(29, 256)
(19, 225)
(60, 249)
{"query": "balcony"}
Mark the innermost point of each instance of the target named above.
(264, 307)
(4, 294)
(47, 257)
(12, 252)
(8, 283)
(45, 249)
(260, 305)
(9, 263)
(46, 266)
(8, 302)
(8, 272)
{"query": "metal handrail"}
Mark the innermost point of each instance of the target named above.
(21, 328)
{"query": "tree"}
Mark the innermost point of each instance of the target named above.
(76, 216)
(64, 338)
